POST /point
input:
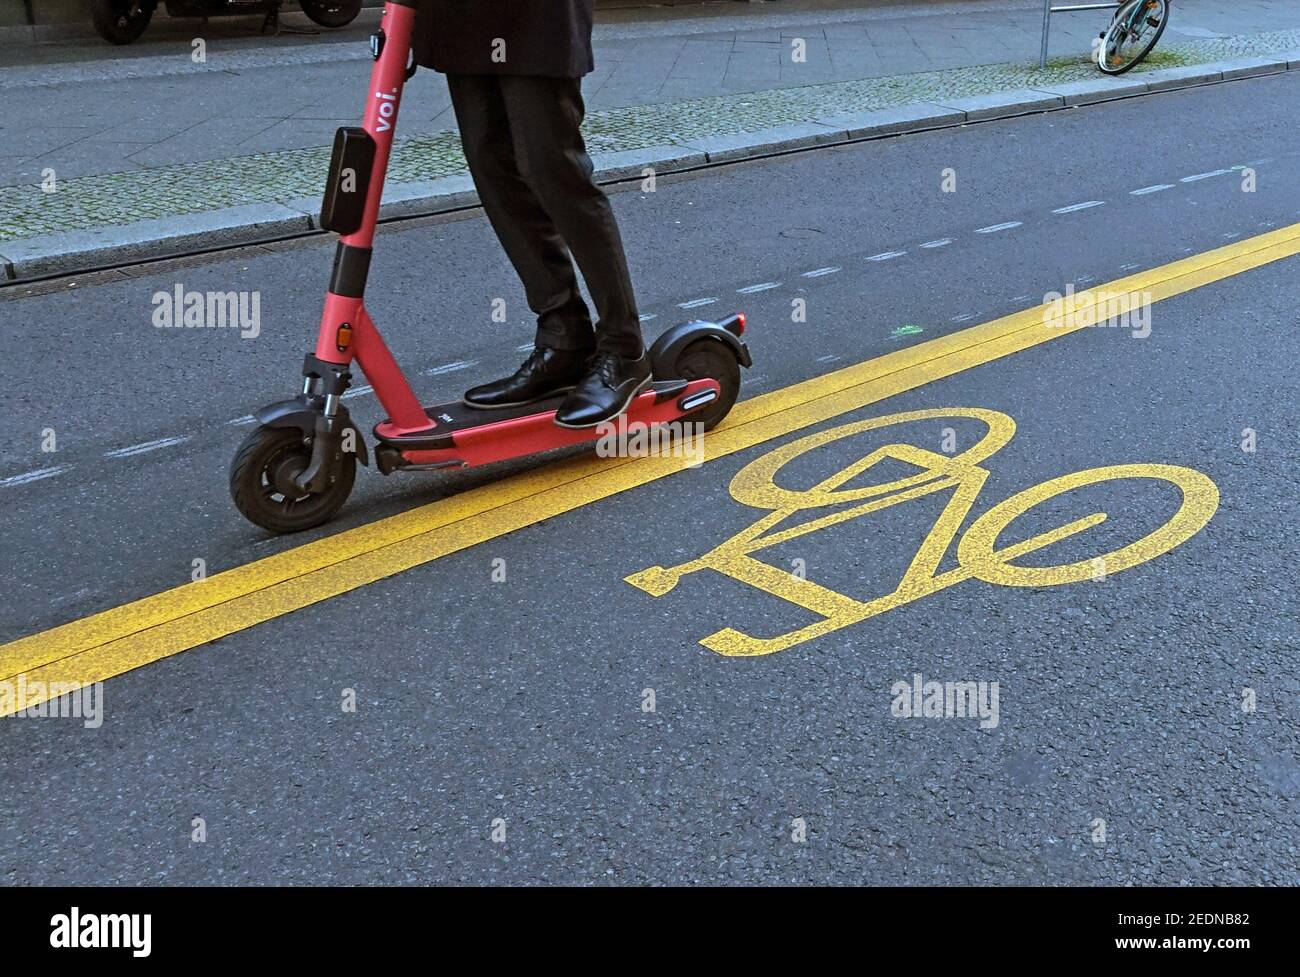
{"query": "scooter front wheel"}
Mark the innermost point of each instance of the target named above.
(262, 482)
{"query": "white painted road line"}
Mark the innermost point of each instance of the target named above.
(994, 228)
(763, 287)
(647, 318)
(357, 391)
(695, 303)
(819, 272)
(1155, 189)
(886, 255)
(246, 419)
(1074, 207)
(139, 449)
(33, 476)
(438, 371)
(1203, 176)
(937, 244)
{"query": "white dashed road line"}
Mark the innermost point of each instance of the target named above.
(1203, 176)
(1074, 207)
(762, 287)
(438, 371)
(937, 244)
(695, 303)
(994, 228)
(1155, 189)
(139, 449)
(821, 272)
(886, 255)
(33, 476)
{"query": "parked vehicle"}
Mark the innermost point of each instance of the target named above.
(122, 21)
(1134, 30)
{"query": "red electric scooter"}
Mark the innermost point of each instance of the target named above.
(296, 469)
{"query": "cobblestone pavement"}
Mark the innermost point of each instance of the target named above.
(99, 199)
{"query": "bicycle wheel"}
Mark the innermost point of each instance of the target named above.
(1133, 32)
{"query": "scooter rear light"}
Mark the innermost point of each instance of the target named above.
(734, 324)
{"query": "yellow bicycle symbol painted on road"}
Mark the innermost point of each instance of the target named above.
(977, 554)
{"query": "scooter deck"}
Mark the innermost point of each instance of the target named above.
(463, 436)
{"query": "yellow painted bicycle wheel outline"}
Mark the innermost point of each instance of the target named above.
(977, 546)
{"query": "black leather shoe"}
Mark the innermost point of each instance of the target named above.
(606, 391)
(545, 373)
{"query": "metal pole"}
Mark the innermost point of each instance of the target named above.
(1047, 21)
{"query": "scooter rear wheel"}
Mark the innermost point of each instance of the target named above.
(709, 359)
(261, 482)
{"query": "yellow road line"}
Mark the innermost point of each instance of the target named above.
(115, 641)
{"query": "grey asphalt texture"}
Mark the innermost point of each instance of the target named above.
(521, 700)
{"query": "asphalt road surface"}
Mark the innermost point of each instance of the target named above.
(1146, 722)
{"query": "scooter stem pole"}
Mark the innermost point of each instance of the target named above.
(387, 79)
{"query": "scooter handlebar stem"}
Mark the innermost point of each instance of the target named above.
(346, 330)
(387, 78)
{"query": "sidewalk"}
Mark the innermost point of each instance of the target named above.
(155, 138)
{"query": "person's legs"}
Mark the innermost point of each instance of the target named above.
(544, 116)
(527, 233)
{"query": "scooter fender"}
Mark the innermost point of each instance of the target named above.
(302, 414)
(664, 352)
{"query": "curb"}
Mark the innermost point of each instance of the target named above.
(80, 251)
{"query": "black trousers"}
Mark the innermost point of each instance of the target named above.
(534, 178)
